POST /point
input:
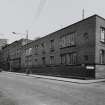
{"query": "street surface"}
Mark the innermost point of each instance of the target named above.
(26, 90)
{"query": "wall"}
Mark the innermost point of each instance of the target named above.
(100, 71)
(100, 22)
(67, 71)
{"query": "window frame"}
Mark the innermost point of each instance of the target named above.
(68, 40)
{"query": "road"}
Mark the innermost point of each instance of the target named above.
(26, 90)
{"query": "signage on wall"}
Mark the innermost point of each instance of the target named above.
(89, 67)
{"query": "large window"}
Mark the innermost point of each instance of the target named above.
(102, 34)
(67, 40)
(70, 58)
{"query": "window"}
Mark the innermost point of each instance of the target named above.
(36, 46)
(43, 60)
(102, 56)
(42, 45)
(36, 60)
(51, 59)
(70, 58)
(63, 59)
(36, 50)
(52, 44)
(86, 57)
(28, 60)
(102, 34)
(67, 40)
(85, 35)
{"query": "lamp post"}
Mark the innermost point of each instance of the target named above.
(27, 69)
(27, 35)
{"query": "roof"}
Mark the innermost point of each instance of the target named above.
(95, 15)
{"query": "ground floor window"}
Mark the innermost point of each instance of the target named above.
(51, 60)
(63, 59)
(72, 58)
(28, 60)
(69, 58)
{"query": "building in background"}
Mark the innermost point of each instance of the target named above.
(3, 42)
(74, 51)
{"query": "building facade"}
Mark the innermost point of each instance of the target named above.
(11, 55)
(74, 51)
(72, 48)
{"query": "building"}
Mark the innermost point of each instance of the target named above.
(3, 42)
(74, 51)
(11, 54)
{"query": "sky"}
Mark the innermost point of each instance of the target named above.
(41, 17)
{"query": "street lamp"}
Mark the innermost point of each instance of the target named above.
(27, 34)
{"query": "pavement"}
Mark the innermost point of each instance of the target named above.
(79, 81)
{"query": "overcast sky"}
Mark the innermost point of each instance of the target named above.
(42, 17)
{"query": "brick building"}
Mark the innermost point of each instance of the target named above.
(74, 51)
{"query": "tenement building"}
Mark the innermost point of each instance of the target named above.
(74, 51)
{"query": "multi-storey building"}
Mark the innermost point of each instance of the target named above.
(11, 54)
(77, 50)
